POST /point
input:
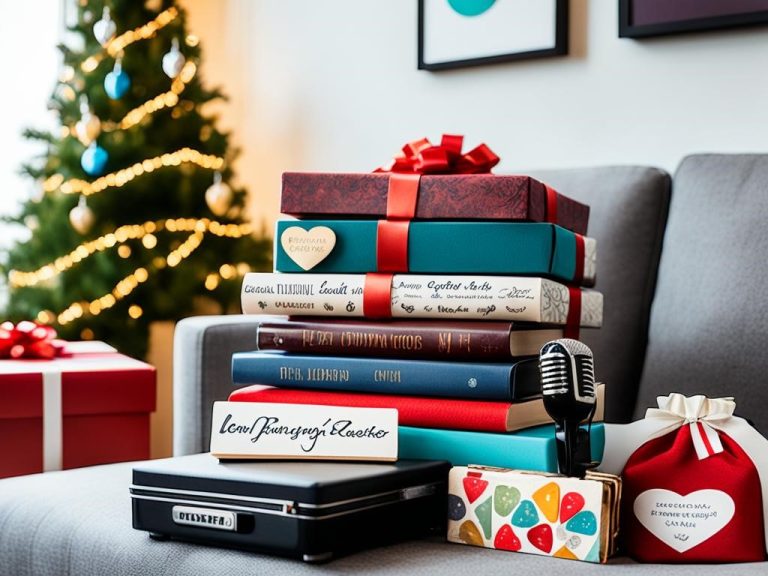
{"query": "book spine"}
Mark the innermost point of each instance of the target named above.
(471, 380)
(389, 340)
(462, 297)
(412, 410)
(521, 450)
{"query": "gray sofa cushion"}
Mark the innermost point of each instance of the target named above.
(708, 326)
(628, 213)
(78, 523)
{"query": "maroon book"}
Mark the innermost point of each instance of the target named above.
(417, 339)
(441, 197)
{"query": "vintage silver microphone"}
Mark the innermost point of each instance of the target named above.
(568, 386)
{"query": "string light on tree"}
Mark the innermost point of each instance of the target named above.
(119, 237)
(122, 177)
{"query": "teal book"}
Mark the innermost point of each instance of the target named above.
(529, 449)
(437, 247)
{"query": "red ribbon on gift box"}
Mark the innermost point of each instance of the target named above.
(417, 158)
(423, 157)
(28, 340)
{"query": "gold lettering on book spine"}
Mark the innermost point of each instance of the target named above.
(312, 338)
(445, 342)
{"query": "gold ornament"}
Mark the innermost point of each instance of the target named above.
(81, 217)
(219, 196)
(88, 127)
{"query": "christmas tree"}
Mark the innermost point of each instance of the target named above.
(135, 221)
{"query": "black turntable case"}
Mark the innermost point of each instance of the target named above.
(309, 510)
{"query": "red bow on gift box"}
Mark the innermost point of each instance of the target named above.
(28, 340)
(422, 157)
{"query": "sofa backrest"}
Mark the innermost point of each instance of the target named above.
(709, 323)
(628, 214)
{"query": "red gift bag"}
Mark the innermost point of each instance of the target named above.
(695, 482)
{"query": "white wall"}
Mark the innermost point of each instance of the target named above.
(29, 60)
(333, 85)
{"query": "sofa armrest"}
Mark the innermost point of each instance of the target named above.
(202, 373)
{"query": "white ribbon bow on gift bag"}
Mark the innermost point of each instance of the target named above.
(706, 418)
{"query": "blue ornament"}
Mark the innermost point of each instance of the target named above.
(94, 159)
(117, 82)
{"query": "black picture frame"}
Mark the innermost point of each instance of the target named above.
(559, 49)
(629, 30)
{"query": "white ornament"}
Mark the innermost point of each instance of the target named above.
(174, 60)
(88, 127)
(81, 217)
(218, 196)
(104, 30)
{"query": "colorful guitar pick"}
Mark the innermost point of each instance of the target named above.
(456, 508)
(541, 537)
(474, 486)
(469, 534)
(548, 500)
(505, 498)
(583, 523)
(483, 513)
(525, 516)
(506, 539)
(571, 504)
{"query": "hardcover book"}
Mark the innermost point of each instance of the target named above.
(440, 197)
(518, 248)
(471, 380)
(415, 339)
(515, 298)
(425, 412)
(528, 449)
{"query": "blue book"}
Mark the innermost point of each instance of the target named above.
(498, 381)
(529, 449)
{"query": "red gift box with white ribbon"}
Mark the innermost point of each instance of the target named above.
(88, 406)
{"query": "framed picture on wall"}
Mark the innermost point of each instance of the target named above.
(643, 18)
(458, 33)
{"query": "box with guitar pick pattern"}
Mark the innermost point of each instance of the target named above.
(536, 513)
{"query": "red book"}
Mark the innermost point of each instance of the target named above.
(441, 197)
(414, 410)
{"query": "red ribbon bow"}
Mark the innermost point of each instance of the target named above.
(422, 157)
(28, 340)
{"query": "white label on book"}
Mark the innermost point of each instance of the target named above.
(301, 431)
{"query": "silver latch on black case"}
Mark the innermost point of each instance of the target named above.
(205, 518)
(417, 492)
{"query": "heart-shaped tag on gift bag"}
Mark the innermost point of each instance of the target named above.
(682, 522)
(308, 247)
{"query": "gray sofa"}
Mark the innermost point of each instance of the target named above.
(684, 311)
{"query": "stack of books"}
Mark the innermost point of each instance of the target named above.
(438, 310)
